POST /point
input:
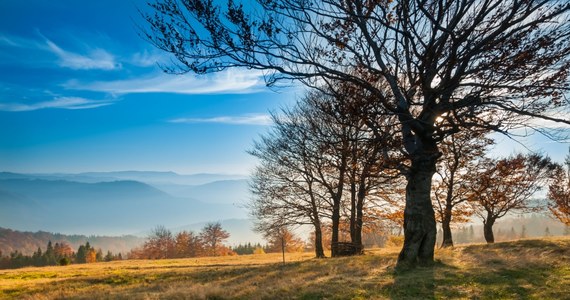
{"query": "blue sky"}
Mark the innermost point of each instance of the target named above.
(80, 91)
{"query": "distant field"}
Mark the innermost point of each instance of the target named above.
(525, 269)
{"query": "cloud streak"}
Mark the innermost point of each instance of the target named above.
(223, 83)
(98, 59)
(254, 119)
(58, 102)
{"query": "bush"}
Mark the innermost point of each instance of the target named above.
(64, 261)
(395, 241)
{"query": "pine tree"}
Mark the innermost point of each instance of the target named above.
(523, 232)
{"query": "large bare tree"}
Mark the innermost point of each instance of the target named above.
(496, 64)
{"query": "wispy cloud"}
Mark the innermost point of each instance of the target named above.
(147, 59)
(58, 102)
(246, 81)
(97, 59)
(254, 119)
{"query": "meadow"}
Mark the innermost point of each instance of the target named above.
(523, 269)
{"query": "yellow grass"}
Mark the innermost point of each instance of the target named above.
(525, 269)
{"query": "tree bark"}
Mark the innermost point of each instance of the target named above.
(335, 227)
(359, 219)
(419, 218)
(319, 250)
(446, 226)
(353, 225)
(488, 230)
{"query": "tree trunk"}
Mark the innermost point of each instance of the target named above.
(419, 218)
(359, 219)
(335, 227)
(319, 250)
(488, 230)
(353, 225)
(446, 226)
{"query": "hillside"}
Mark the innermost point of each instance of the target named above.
(524, 269)
(223, 191)
(108, 208)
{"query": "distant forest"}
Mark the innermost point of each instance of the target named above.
(28, 242)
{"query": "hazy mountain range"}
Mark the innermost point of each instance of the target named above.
(118, 203)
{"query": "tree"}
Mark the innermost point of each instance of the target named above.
(284, 240)
(159, 244)
(188, 244)
(559, 193)
(49, 255)
(523, 232)
(300, 175)
(496, 64)
(509, 185)
(454, 179)
(86, 254)
(213, 236)
(323, 159)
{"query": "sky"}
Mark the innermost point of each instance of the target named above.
(81, 91)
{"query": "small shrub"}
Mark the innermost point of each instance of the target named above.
(395, 241)
(64, 261)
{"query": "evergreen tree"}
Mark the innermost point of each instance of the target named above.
(523, 232)
(49, 255)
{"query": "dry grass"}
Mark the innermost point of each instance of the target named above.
(525, 269)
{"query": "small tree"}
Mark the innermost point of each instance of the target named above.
(508, 185)
(213, 237)
(523, 232)
(284, 239)
(559, 193)
(159, 244)
(188, 244)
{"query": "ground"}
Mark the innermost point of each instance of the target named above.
(523, 269)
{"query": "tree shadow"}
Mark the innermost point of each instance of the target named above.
(416, 283)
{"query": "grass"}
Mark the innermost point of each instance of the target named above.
(524, 269)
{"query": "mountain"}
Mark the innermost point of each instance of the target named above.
(28, 242)
(223, 191)
(116, 208)
(149, 177)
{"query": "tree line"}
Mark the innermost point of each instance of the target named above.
(59, 254)
(327, 163)
(161, 243)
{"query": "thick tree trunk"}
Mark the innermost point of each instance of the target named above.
(488, 230)
(319, 250)
(419, 218)
(446, 226)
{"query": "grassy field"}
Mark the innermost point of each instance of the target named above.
(524, 269)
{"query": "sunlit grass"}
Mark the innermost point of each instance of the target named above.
(526, 269)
